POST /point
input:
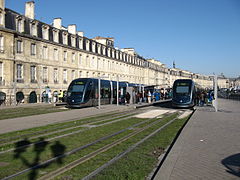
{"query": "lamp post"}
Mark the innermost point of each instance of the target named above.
(215, 104)
(99, 90)
(99, 93)
(117, 89)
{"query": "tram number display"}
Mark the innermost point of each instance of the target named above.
(79, 83)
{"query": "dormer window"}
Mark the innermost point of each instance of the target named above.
(94, 47)
(87, 45)
(73, 41)
(33, 28)
(45, 33)
(55, 36)
(99, 48)
(2, 16)
(1, 44)
(64, 37)
(80, 41)
(104, 50)
(20, 24)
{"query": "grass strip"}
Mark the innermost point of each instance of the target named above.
(28, 111)
(44, 129)
(86, 168)
(17, 161)
(140, 162)
(70, 129)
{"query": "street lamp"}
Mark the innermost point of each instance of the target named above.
(99, 91)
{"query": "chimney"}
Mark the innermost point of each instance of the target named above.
(57, 23)
(80, 33)
(2, 4)
(72, 29)
(29, 9)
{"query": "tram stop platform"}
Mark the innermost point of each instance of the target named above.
(207, 148)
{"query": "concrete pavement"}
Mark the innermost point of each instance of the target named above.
(208, 147)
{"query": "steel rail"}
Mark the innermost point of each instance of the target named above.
(77, 149)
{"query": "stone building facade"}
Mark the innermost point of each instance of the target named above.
(35, 56)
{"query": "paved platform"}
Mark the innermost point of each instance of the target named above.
(208, 147)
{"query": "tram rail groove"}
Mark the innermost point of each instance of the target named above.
(91, 155)
(69, 120)
(116, 158)
(61, 129)
(80, 148)
(65, 135)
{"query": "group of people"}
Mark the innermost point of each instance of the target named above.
(204, 97)
(147, 96)
(54, 97)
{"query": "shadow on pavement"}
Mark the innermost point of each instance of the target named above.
(232, 163)
(23, 151)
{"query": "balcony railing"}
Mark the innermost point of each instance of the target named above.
(33, 81)
(20, 80)
(45, 81)
(2, 82)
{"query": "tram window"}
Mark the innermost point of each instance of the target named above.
(77, 88)
(182, 89)
(88, 91)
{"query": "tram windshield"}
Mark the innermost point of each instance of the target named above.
(183, 88)
(76, 88)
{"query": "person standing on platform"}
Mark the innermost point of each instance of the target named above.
(49, 96)
(128, 97)
(149, 96)
(60, 96)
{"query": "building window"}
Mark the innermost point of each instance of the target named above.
(80, 74)
(45, 52)
(19, 73)
(33, 49)
(80, 59)
(19, 24)
(33, 74)
(45, 33)
(65, 76)
(55, 54)
(73, 41)
(1, 44)
(73, 74)
(80, 43)
(45, 75)
(64, 38)
(55, 75)
(33, 28)
(65, 56)
(55, 36)
(73, 57)
(92, 62)
(19, 46)
(1, 18)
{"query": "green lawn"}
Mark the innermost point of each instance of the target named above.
(28, 111)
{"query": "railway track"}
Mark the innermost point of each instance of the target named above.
(95, 153)
(86, 127)
(38, 134)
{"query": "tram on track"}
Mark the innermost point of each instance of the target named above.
(83, 92)
(184, 93)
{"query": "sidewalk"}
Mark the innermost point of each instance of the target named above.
(208, 147)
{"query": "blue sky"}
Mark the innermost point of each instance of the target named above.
(202, 36)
